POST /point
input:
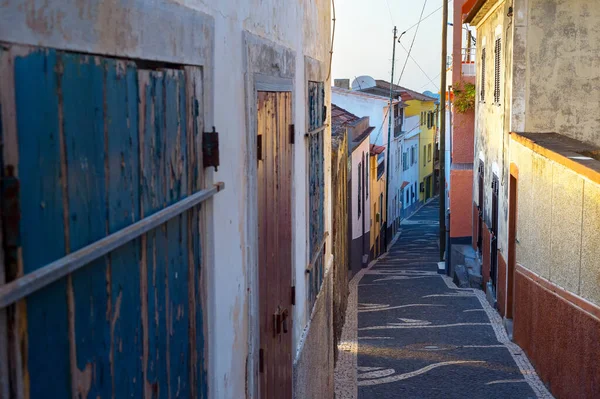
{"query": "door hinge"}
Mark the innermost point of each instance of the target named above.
(259, 152)
(261, 360)
(293, 295)
(11, 220)
(210, 149)
(293, 134)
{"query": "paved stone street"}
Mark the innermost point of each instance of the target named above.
(421, 337)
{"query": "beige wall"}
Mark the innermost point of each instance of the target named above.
(559, 57)
(558, 223)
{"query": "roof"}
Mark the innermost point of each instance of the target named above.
(377, 149)
(340, 118)
(405, 93)
(471, 8)
(359, 93)
(404, 184)
(364, 135)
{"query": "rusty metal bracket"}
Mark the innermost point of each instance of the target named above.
(210, 149)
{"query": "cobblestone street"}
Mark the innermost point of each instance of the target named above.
(411, 333)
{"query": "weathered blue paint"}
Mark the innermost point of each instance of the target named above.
(124, 209)
(115, 174)
(153, 199)
(177, 302)
(82, 85)
(42, 228)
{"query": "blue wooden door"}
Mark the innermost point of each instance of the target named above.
(96, 144)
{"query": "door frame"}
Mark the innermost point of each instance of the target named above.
(275, 72)
(512, 239)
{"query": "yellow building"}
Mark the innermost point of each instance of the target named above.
(425, 108)
(378, 206)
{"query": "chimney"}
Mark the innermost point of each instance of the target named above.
(342, 83)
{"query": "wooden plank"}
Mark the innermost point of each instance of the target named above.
(42, 228)
(176, 164)
(122, 159)
(153, 199)
(82, 86)
(195, 127)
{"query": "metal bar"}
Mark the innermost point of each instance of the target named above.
(31, 282)
(317, 130)
(314, 258)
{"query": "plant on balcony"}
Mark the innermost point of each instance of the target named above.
(464, 97)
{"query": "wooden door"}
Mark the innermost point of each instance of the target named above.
(274, 172)
(512, 243)
(494, 244)
(96, 144)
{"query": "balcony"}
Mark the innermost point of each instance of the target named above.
(468, 61)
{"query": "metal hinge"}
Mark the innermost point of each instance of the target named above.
(293, 134)
(259, 152)
(261, 360)
(293, 294)
(11, 221)
(210, 149)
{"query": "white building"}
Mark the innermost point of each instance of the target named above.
(410, 167)
(233, 63)
(376, 108)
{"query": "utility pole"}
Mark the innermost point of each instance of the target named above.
(389, 142)
(443, 131)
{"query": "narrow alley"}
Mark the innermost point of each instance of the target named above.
(421, 336)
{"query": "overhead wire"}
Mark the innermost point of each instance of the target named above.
(403, 69)
(419, 66)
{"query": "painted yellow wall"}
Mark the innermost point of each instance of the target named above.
(558, 223)
(426, 141)
(377, 188)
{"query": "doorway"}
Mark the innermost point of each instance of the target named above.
(480, 186)
(512, 244)
(274, 185)
(494, 249)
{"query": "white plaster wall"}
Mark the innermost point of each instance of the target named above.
(303, 27)
(357, 156)
(362, 104)
(209, 33)
(492, 120)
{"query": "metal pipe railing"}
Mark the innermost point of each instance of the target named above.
(31, 282)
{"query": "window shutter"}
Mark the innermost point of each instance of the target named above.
(497, 58)
(483, 74)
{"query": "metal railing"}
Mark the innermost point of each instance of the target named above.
(34, 281)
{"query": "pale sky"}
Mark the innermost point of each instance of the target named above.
(364, 37)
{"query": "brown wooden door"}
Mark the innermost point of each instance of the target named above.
(512, 243)
(275, 243)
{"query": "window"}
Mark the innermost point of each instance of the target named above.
(482, 92)
(413, 155)
(429, 153)
(406, 201)
(424, 155)
(497, 67)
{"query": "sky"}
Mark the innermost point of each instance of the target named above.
(364, 38)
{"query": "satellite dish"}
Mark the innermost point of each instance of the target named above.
(363, 82)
